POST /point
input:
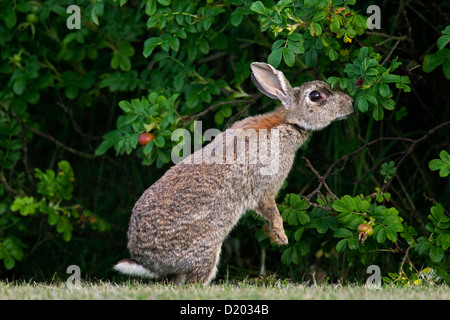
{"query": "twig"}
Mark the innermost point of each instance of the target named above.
(410, 150)
(237, 115)
(187, 119)
(384, 35)
(321, 179)
(385, 187)
(49, 137)
(390, 52)
(60, 144)
(404, 258)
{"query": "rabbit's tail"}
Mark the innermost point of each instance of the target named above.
(132, 268)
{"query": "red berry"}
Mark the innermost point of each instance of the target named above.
(145, 138)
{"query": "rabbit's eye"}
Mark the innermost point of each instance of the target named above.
(315, 96)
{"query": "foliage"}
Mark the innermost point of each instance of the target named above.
(440, 57)
(442, 164)
(74, 102)
(55, 190)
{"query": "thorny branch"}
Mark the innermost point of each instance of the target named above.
(344, 159)
(384, 188)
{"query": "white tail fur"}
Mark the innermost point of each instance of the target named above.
(133, 268)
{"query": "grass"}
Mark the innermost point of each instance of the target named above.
(243, 290)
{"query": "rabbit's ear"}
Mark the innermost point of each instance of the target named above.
(272, 82)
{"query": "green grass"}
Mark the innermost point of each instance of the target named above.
(136, 290)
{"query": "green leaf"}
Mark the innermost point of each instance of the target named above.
(333, 80)
(438, 213)
(345, 204)
(432, 61)
(150, 7)
(178, 82)
(203, 46)
(67, 235)
(340, 246)
(381, 235)
(71, 92)
(442, 164)
(9, 263)
(384, 90)
(292, 218)
(310, 3)
(148, 147)
(25, 205)
(163, 156)
(286, 257)
(277, 44)
(436, 253)
(304, 248)
(391, 235)
(320, 15)
(388, 104)
(260, 235)
(446, 68)
(295, 46)
(275, 58)
(334, 25)
(362, 104)
(226, 111)
(315, 29)
(288, 56)
(303, 217)
(125, 105)
(333, 55)
(53, 216)
(258, 7)
(342, 233)
(159, 141)
(11, 19)
(149, 45)
(423, 245)
(19, 85)
(396, 227)
(298, 234)
(443, 240)
(360, 205)
(378, 113)
(236, 18)
(103, 147)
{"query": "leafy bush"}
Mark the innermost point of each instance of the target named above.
(75, 101)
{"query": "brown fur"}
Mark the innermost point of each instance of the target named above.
(265, 121)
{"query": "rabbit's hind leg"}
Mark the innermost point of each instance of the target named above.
(177, 279)
(204, 271)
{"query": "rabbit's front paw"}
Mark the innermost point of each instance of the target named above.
(275, 234)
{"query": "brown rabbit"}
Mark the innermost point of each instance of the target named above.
(178, 225)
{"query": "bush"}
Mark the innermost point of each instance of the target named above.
(75, 101)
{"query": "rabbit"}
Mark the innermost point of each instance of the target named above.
(178, 225)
